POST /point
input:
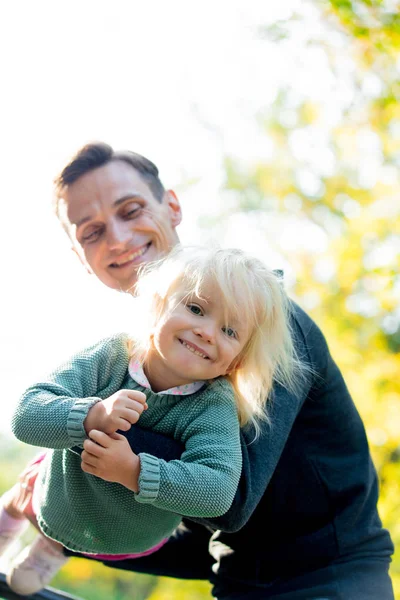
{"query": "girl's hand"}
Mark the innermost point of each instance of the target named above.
(111, 458)
(119, 411)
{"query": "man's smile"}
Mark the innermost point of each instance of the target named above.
(127, 259)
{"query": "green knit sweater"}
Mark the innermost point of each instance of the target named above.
(88, 514)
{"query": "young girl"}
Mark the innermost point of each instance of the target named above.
(213, 336)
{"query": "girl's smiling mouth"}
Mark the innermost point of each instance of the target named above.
(194, 349)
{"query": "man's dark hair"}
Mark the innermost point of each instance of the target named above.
(98, 154)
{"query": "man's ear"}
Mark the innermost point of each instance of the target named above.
(174, 207)
(82, 259)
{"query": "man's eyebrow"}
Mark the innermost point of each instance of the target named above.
(130, 196)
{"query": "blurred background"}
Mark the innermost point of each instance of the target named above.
(278, 125)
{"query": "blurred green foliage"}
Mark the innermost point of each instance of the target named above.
(339, 178)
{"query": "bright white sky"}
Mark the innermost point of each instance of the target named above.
(178, 81)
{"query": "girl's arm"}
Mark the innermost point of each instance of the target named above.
(204, 481)
(51, 414)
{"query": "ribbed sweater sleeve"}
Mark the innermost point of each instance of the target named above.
(204, 481)
(51, 413)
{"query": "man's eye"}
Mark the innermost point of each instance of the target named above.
(131, 212)
(195, 309)
(91, 236)
(229, 332)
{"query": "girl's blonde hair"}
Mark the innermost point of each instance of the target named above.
(250, 292)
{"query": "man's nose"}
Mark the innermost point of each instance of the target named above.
(117, 235)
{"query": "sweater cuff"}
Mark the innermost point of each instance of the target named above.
(149, 478)
(76, 417)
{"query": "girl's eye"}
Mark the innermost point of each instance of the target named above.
(229, 332)
(195, 309)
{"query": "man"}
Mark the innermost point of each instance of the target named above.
(304, 523)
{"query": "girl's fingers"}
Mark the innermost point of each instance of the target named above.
(116, 436)
(92, 448)
(137, 396)
(100, 438)
(87, 468)
(124, 425)
(89, 459)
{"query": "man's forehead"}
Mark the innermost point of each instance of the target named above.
(105, 187)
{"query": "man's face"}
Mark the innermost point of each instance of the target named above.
(117, 224)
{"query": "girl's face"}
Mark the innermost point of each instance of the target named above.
(192, 342)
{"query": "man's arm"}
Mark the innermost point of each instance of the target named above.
(145, 440)
(184, 556)
(261, 456)
(260, 459)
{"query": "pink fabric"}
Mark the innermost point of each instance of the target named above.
(10, 525)
(35, 504)
(123, 556)
(38, 459)
(136, 372)
(35, 494)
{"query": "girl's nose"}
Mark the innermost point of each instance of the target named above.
(206, 332)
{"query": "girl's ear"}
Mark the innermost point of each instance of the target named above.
(234, 366)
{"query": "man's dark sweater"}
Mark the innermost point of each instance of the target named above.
(308, 490)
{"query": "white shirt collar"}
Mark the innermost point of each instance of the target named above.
(136, 372)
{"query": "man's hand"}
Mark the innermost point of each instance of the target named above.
(119, 411)
(111, 458)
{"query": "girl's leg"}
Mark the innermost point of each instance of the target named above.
(16, 506)
(12, 522)
(36, 566)
(18, 500)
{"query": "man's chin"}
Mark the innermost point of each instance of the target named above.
(126, 286)
(118, 284)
